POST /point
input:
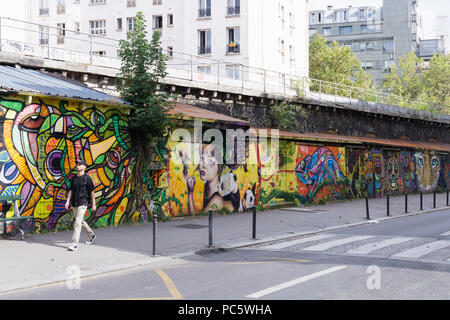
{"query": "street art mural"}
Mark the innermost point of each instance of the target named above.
(428, 167)
(41, 143)
(374, 173)
(42, 140)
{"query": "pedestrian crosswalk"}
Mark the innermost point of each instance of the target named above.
(398, 247)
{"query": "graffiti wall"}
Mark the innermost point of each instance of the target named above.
(42, 140)
(40, 144)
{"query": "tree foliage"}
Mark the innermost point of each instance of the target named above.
(143, 67)
(414, 79)
(140, 83)
(336, 64)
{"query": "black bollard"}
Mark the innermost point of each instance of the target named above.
(367, 208)
(447, 198)
(421, 201)
(387, 204)
(434, 199)
(155, 221)
(406, 202)
(254, 224)
(210, 222)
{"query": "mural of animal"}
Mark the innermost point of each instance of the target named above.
(248, 201)
(229, 191)
(313, 168)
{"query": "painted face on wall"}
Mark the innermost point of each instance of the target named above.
(428, 168)
(392, 173)
(208, 166)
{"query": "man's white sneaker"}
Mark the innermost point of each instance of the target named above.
(73, 247)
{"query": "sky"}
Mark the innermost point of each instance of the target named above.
(429, 9)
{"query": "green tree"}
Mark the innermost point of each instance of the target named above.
(335, 64)
(139, 83)
(413, 80)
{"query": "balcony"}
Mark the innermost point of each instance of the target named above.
(43, 11)
(231, 11)
(233, 48)
(204, 13)
(204, 50)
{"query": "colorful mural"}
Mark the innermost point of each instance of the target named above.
(42, 140)
(41, 143)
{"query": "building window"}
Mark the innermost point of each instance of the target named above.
(327, 31)
(43, 35)
(388, 46)
(345, 30)
(77, 28)
(97, 1)
(157, 22)
(170, 52)
(101, 53)
(312, 32)
(98, 27)
(170, 19)
(233, 35)
(234, 7)
(61, 33)
(312, 18)
(61, 7)
(204, 69)
(43, 7)
(362, 14)
(119, 24)
(319, 17)
(204, 8)
(131, 3)
(233, 71)
(204, 42)
(367, 65)
(130, 24)
(157, 2)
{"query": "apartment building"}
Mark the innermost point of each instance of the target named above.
(379, 36)
(266, 34)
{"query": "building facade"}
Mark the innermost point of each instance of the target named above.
(379, 36)
(262, 34)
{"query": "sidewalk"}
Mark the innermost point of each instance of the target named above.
(43, 258)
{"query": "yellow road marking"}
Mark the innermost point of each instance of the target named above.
(169, 284)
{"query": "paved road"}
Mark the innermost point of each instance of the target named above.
(406, 258)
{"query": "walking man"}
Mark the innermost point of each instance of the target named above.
(81, 189)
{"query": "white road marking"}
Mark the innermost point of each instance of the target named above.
(330, 244)
(446, 233)
(422, 250)
(368, 248)
(286, 244)
(294, 282)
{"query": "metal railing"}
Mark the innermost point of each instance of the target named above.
(83, 48)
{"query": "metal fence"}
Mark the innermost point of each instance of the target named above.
(60, 43)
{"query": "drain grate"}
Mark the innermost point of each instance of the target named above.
(192, 226)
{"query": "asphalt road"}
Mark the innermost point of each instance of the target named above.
(405, 258)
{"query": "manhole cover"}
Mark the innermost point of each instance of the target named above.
(192, 226)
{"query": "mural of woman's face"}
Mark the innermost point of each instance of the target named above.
(208, 167)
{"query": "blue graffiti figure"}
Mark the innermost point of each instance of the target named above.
(312, 169)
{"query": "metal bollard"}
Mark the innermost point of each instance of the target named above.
(421, 201)
(254, 224)
(434, 199)
(406, 202)
(155, 221)
(387, 204)
(210, 227)
(447, 198)
(367, 208)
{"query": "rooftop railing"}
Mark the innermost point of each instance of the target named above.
(83, 48)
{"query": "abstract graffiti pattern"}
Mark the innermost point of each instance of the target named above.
(42, 142)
